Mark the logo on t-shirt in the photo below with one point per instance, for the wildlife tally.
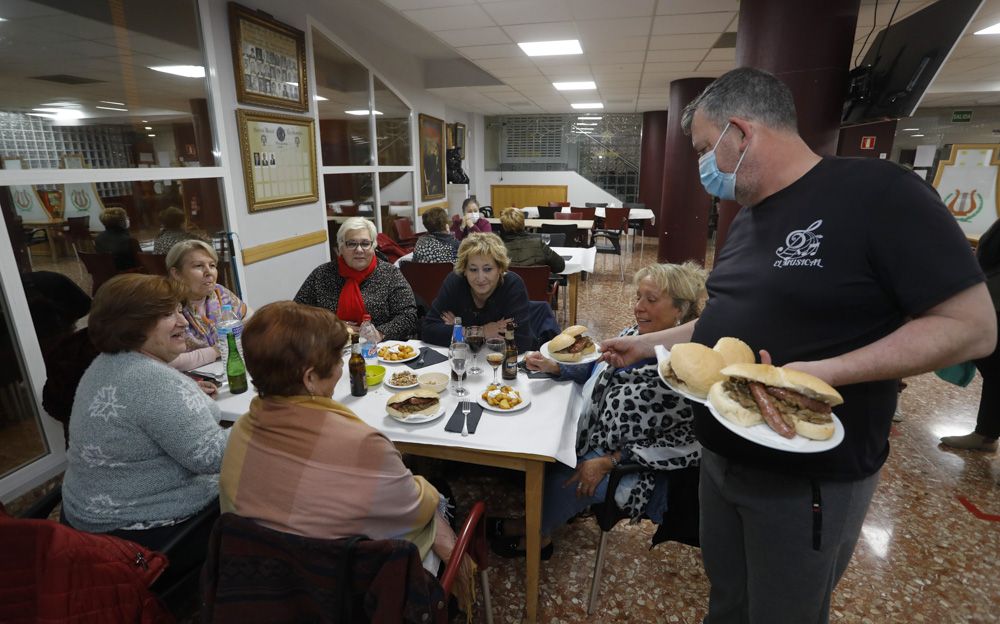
(800, 248)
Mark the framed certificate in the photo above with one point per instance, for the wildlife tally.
(269, 60)
(279, 159)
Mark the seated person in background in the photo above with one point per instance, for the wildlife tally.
(172, 232)
(115, 239)
(358, 283)
(628, 415)
(482, 292)
(470, 222)
(438, 245)
(193, 264)
(145, 445)
(302, 463)
(526, 249)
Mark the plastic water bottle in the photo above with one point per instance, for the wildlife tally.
(457, 333)
(369, 340)
(229, 323)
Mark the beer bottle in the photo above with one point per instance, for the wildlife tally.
(356, 368)
(509, 370)
(236, 371)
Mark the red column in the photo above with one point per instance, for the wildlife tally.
(654, 137)
(683, 218)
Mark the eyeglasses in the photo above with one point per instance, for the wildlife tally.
(354, 244)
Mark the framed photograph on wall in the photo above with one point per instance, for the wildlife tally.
(269, 60)
(458, 138)
(432, 161)
(278, 153)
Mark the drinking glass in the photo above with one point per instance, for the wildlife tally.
(546, 239)
(475, 337)
(459, 352)
(494, 358)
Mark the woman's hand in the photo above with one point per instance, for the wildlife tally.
(208, 387)
(467, 221)
(589, 475)
(448, 317)
(537, 362)
(496, 329)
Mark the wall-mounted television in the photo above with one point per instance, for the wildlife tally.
(903, 61)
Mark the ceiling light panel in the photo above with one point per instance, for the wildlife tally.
(584, 85)
(587, 105)
(551, 48)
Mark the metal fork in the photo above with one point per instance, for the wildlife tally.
(420, 360)
(466, 408)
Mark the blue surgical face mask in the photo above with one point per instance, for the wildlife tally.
(718, 183)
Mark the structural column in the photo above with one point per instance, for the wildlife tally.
(807, 44)
(683, 217)
(654, 137)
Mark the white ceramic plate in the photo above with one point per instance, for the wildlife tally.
(389, 343)
(525, 402)
(417, 419)
(590, 357)
(387, 382)
(662, 355)
(765, 436)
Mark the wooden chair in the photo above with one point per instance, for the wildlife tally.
(425, 278)
(547, 212)
(154, 264)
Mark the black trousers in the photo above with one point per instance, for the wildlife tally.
(988, 421)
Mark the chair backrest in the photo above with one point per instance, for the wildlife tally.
(348, 210)
(404, 228)
(79, 228)
(425, 278)
(154, 264)
(588, 213)
(569, 216)
(487, 211)
(556, 239)
(101, 267)
(389, 247)
(547, 212)
(616, 218)
(564, 204)
(593, 205)
(568, 232)
(536, 280)
(555, 204)
(635, 205)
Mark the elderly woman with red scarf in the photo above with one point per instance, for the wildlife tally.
(358, 283)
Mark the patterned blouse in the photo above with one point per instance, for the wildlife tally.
(436, 247)
(201, 327)
(387, 295)
(169, 238)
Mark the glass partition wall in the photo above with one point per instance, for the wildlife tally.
(365, 139)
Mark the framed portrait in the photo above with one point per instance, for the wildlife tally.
(278, 153)
(432, 157)
(269, 60)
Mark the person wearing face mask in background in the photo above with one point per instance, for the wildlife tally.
(850, 269)
(116, 240)
(470, 222)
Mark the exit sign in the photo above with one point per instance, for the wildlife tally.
(962, 116)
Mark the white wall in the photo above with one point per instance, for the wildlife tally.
(579, 189)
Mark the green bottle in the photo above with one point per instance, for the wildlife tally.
(236, 371)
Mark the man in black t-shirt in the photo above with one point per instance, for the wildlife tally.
(822, 268)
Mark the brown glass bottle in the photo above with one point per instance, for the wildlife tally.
(356, 369)
(509, 370)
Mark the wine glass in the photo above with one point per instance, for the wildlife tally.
(495, 357)
(459, 352)
(475, 337)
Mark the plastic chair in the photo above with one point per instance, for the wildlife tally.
(569, 216)
(407, 238)
(680, 522)
(389, 248)
(425, 278)
(593, 205)
(637, 225)
(101, 267)
(547, 212)
(564, 204)
(608, 240)
(536, 280)
(154, 264)
(568, 233)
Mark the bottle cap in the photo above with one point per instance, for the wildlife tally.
(458, 320)
(366, 317)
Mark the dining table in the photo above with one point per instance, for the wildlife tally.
(634, 214)
(53, 230)
(527, 439)
(581, 224)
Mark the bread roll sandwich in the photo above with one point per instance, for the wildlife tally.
(790, 402)
(571, 345)
(734, 351)
(693, 368)
(407, 404)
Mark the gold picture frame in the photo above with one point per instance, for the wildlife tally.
(269, 60)
(278, 153)
(432, 157)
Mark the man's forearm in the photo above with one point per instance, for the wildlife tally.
(669, 337)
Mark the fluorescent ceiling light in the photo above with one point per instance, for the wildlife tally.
(320, 98)
(187, 71)
(114, 103)
(151, 135)
(989, 30)
(910, 129)
(586, 105)
(62, 104)
(361, 112)
(916, 135)
(148, 128)
(590, 118)
(551, 48)
(3, 19)
(574, 86)
(586, 124)
(59, 114)
(124, 110)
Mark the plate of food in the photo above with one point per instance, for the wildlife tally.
(402, 380)
(500, 398)
(394, 352)
(572, 346)
(779, 408)
(690, 369)
(414, 406)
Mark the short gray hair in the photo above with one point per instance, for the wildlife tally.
(175, 257)
(748, 93)
(355, 223)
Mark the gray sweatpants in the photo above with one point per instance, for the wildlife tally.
(770, 556)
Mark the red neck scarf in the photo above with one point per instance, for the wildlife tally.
(351, 307)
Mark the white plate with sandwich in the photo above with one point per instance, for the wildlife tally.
(572, 346)
(690, 369)
(414, 407)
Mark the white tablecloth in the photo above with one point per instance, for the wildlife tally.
(635, 214)
(580, 259)
(547, 427)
